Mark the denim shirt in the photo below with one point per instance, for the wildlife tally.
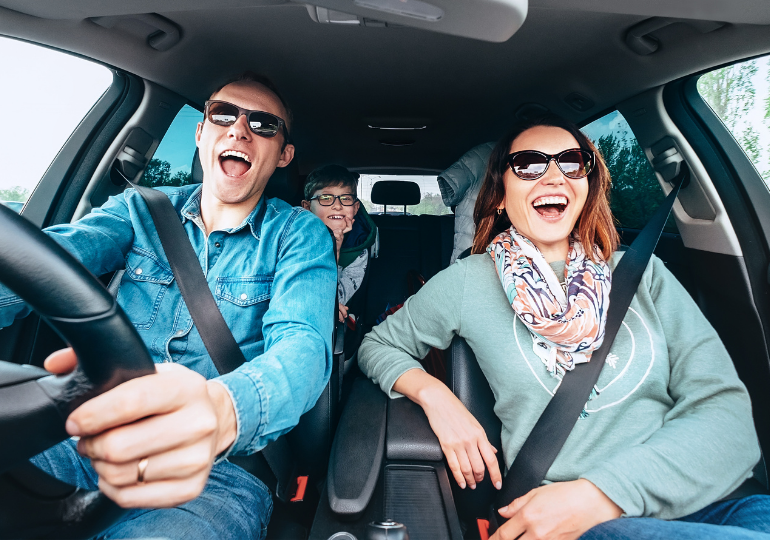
(274, 280)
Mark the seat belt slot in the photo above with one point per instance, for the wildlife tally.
(483, 526)
(299, 494)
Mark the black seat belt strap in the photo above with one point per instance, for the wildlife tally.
(215, 333)
(213, 329)
(560, 415)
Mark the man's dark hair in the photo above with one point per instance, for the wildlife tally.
(330, 175)
(264, 80)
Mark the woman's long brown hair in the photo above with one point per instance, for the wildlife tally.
(595, 225)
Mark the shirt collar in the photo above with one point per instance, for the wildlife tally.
(192, 211)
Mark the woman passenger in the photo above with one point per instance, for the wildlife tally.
(668, 429)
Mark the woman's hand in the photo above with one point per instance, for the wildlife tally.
(175, 419)
(558, 511)
(462, 438)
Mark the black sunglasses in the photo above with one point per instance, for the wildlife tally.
(531, 164)
(261, 123)
(328, 200)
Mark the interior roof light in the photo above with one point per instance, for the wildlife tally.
(415, 9)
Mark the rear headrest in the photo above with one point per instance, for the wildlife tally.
(284, 184)
(395, 193)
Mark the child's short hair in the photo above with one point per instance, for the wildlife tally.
(330, 175)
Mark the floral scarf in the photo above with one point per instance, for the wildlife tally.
(566, 325)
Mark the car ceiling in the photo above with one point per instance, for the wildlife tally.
(339, 79)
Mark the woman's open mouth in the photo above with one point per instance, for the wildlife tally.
(234, 163)
(550, 207)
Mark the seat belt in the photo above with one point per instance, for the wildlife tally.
(560, 415)
(216, 335)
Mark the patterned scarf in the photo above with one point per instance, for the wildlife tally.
(566, 326)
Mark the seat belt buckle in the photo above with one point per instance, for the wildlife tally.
(483, 525)
(299, 492)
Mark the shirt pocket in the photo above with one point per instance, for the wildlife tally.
(243, 302)
(143, 287)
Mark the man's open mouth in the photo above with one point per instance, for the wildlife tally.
(234, 163)
(550, 206)
(336, 217)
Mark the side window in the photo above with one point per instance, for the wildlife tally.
(739, 96)
(430, 195)
(172, 162)
(46, 90)
(636, 193)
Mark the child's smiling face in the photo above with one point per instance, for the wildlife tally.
(336, 216)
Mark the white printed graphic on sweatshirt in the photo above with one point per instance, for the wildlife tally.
(625, 369)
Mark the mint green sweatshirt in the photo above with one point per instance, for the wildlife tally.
(671, 430)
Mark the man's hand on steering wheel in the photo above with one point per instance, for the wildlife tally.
(152, 439)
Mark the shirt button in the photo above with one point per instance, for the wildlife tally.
(138, 271)
(217, 244)
(179, 333)
(244, 296)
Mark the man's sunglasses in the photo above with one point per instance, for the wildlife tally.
(531, 164)
(328, 200)
(262, 123)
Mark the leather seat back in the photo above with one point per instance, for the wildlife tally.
(468, 383)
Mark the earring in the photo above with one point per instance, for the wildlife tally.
(499, 211)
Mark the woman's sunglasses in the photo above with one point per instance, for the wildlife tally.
(262, 123)
(531, 164)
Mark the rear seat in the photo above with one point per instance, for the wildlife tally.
(420, 243)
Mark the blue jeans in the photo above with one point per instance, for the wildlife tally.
(234, 504)
(738, 519)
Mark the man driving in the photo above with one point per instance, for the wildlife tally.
(156, 444)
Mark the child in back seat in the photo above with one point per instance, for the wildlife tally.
(330, 193)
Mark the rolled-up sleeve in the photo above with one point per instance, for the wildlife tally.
(273, 389)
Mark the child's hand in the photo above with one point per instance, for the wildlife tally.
(346, 225)
(343, 312)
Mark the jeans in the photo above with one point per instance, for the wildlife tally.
(234, 504)
(738, 519)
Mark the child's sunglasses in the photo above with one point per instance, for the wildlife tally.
(531, 164)
(261, 123)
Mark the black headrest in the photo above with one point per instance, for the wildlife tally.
(395, 193)
(284, 184)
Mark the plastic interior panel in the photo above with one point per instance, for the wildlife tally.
(357, 450)
(413, 497)
(648, 118)
(418, 495)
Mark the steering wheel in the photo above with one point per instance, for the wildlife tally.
(34, 404)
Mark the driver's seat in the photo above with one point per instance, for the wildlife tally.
(296, 466)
